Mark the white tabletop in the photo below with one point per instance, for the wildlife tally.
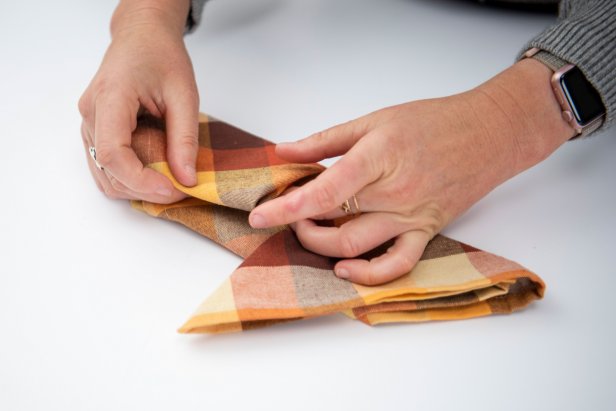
(92, 292)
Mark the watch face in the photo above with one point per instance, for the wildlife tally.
(582, 96)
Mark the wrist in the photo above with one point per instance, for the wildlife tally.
(526, 112)
(137, 15)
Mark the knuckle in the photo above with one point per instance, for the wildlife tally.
(432, 219)
(115, 183)
(371, 277)
(188, 142)
(403, 264)
(304, 241)
(104, 155)
(84, 105)
(348, 246)
(320, 136)
(325, 196)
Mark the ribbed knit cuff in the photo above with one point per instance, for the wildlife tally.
(194, 16)
(585, 35)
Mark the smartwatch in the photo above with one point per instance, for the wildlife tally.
(580, 102)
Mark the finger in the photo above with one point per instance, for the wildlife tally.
(396, 262)
(86, 139)
(336, 184)
(100, 178)
(356, 205)
(182, 118)
(113, 125)
(328, 143)
(351, 239)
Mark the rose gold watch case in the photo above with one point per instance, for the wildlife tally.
(559, 93)
(567, 109)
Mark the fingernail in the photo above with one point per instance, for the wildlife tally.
(163, 191)
(342, 273)
(257, 221)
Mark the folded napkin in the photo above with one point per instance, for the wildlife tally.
(279, 280)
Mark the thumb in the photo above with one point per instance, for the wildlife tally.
(329, 143)
(182, 119)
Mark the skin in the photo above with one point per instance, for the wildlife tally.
(413, 167)
(145, 68)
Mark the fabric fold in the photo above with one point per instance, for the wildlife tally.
(281, 281)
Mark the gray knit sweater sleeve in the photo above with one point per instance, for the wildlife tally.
(585, 35)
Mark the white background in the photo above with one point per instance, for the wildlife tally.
(91, 292)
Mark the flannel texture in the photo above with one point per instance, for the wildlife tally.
(279, 280)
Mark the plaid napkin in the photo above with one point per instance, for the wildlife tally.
(279, 280)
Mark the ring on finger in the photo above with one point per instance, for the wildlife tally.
(351, 207)
(92, 151)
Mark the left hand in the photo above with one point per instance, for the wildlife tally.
(414, 168)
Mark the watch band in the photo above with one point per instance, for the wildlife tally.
(555, 63)
(549, 60)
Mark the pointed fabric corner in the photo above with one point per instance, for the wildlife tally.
(281, 281)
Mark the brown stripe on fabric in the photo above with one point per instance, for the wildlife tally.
(298, 255)
(224, 136)
(204, 134)
(521, 293)
(149, 140)
(270, 254)
(385, 307)
(441, 302)
(450, 301)
(197, 218)
(242, 158)
(230, 224)
(253, 325)
(468, 248)
(441, 246)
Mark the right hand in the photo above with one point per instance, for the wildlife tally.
(146, 68)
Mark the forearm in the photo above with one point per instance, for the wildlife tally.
(169, 14)
(520, 109)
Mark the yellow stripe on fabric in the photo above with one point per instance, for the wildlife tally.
(156, 210)
(495, 291)
(429, 279)
(203, 324)
(479, 309)
(205, 189)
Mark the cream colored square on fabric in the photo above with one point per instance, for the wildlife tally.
(221, 301)
(453, 272)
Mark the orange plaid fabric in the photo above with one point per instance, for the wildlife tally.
(279, 280)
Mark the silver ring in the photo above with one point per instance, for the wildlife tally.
(93, 155)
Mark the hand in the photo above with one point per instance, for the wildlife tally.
(146, 68)
(414, 168)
